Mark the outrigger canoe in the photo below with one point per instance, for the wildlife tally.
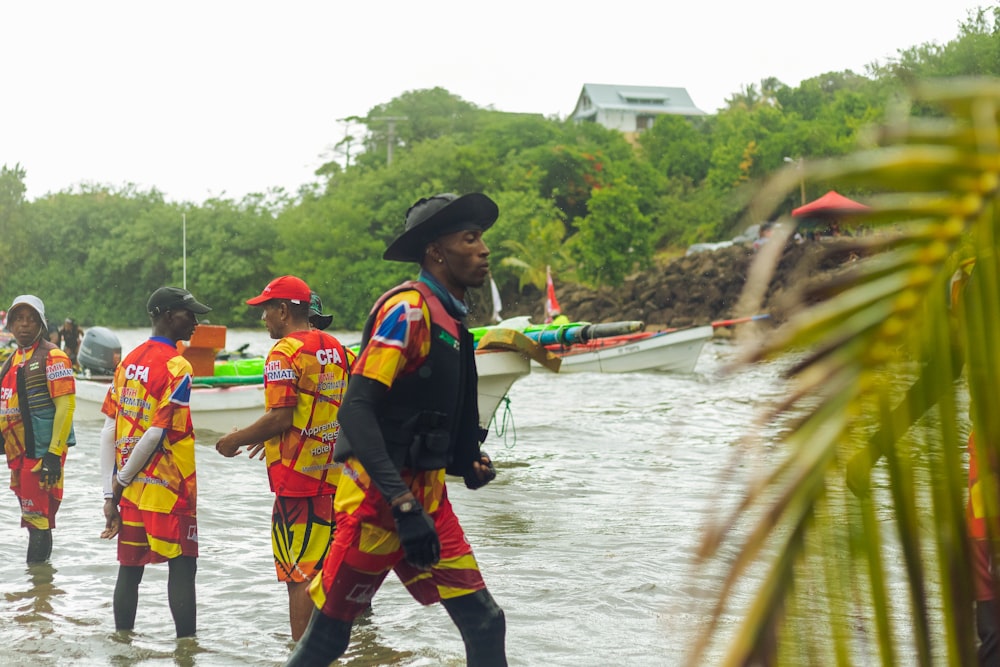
(620, 347)
(671, 351)
(616, 347)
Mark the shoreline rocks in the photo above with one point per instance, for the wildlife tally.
(692, 290)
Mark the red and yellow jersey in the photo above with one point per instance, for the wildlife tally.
(60, 381)
(306, 370)
(400, 341)
(979, 524)
(152, 388)
(975, 508)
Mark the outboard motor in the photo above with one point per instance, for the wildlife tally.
(100, 352)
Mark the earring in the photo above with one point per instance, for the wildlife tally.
(440, 260)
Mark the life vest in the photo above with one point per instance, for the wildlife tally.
(430, 418)
(38, 411)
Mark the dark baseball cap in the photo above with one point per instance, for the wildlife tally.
(174, 298)
(316, 316)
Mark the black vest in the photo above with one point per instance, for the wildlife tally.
(430, 418)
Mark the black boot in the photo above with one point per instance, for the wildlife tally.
(483, 627)
(989, 633)
(39, 545)
(324, 640)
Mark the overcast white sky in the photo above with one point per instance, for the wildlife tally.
(222, 98)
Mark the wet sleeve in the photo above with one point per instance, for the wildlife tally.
(359, 425)
(107, 455)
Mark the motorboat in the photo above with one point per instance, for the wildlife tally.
(669, 350)
(233, 396)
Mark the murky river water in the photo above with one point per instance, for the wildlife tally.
(585, 538)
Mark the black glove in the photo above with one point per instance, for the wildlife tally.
(417, 534)
(473, 480)
(51, 469)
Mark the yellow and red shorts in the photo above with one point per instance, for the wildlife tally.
(301, 529)
(38, 506)
(366, 547)
(155, 537)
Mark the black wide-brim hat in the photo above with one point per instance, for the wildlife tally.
(433, 217)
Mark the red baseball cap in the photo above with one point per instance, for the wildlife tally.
(286, 287)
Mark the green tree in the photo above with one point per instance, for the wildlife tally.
(229, 256)
(976, 52)
(569, 175)
(542, 247)
(678, 147)
(528, 235)
(335, 244)
(96, 252)
(413, 117)
(614, 238)
(13, 231)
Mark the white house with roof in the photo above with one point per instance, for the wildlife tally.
(631, 108)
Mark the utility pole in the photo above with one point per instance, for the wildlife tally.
(390, 132)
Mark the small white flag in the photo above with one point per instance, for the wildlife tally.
(496, 299)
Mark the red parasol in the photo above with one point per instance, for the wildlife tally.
(832, 204)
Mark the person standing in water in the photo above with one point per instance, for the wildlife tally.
(37, 400)
(70, 336)
(305, 375)
(148, 463)
(410, 416)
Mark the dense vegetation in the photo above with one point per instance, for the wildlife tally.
(575, 196)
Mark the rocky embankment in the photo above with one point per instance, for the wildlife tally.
(691, 290)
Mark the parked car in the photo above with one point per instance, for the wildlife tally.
(749, 235)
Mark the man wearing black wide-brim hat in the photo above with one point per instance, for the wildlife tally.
(410, 416)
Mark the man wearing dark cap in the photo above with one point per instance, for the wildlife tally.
(148, 462)
(316, 316)
(410, 416)
(305, 375)
(37, 400)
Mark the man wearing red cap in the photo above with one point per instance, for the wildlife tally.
(305, 376)
(37, 399)
(410, 416)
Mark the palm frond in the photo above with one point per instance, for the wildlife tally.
(891, 572)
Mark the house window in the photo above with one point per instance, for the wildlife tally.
(643, 122)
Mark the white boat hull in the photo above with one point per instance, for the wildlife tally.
(672, 352)
(498, 370)
(220, 409)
